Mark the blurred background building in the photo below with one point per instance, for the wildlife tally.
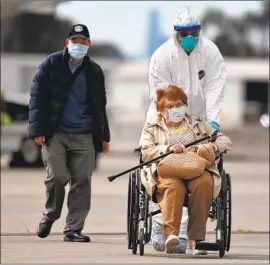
(124, 36)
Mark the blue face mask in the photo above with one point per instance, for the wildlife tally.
(77, 51)
(188, 43)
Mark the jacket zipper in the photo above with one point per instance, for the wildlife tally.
(190, 87)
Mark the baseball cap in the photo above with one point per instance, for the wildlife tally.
(79, 30)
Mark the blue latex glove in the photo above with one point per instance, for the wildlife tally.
(214, 125)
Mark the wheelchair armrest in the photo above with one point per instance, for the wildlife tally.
(139, 153)
(220, 154)
(137, 150)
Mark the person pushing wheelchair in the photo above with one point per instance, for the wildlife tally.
(189, 171)
(191, 61)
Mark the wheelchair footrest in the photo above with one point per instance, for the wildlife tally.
(207, 246)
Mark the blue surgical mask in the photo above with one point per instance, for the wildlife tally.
(188, 43)
(177, 114)
(77, 51)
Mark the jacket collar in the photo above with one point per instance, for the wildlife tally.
(65, 54)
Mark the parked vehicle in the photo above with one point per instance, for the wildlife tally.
(264, 120)
(14, 136)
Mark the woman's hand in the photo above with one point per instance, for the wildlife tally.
(177, 148)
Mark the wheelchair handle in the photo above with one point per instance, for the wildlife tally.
(211, 138)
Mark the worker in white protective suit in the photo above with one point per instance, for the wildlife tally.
(194, 63)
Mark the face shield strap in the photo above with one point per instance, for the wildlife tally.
(187, 28)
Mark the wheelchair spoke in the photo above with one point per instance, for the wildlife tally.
(138, 190)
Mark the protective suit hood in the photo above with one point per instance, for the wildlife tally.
(202, 75)
(186, 19)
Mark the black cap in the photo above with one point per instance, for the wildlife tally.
(79, 30)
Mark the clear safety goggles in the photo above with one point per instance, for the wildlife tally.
(193, 33)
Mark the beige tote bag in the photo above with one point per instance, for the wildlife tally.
(187, 165)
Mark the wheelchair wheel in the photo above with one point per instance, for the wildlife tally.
(133, 211)
(145, 215)
(149, 228)
(228, 212)
(220, 233)
(221, 249)
(141, 238)
(130, 204)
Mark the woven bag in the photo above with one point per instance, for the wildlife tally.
(184, 165)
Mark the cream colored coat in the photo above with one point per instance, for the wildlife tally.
(154, 142)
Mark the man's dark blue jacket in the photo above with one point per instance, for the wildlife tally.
(50, 91)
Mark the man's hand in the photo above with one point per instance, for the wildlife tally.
(106, 147)
(40, 140)
(177, 148)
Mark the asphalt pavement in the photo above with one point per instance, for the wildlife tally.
(246, 248)
(22, 203)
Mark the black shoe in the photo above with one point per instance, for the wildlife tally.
(44, 228)
(76, 237)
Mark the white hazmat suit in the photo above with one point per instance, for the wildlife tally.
(202, 75)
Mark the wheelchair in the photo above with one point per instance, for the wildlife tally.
(139, 217)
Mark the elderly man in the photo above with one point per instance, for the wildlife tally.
(193, 62)
(67, 117)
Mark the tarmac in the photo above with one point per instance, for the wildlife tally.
(246, 248)
(22, 203)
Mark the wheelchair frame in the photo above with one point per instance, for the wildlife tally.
(138, 211)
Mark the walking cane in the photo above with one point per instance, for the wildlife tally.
(211, 138)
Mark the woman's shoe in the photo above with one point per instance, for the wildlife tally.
(192, 251)
(181, 248)
(158, 246)
(199, 252)
(157, 237)
(171, 244)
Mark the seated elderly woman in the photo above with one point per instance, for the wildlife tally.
(170, 131)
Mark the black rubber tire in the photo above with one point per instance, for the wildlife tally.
(131, 224)
(134, 248)
(136, 210)
(229, 213)
(221, 249)
(220, 227)
(141, 238)
(129, 213)
(224, 211)
(18, 160)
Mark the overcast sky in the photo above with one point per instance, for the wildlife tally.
(125, 23)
